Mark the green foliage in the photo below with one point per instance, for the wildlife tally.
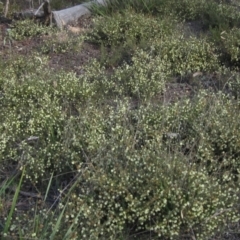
(37, 103)
(185, 9)
(1, 7)
(128, 26)
(26, 28)
(142, 79)
(62, 4)
(157, 37)
(115, 55)
(228, 41)
(208, 129)
(8, 222)
(59, 4)
(220, 15)
(139, 166)
(227, 45)
(121, 33)
(234, 85)
(113, 6)
(61, 42)
(195, 54)
(211, 13)
(128, 178)
(143, 188)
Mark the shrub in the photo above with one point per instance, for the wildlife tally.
(186, 9)
(128, 26)
(234, 85)
(186, 56)
(121, 165)
(129, 181)
(207, 127)
(26, 28)
(61, 42)
(145, 72)
(210, 13)
(143, 79)
(229, 46)
(157, 36)
(219, 15)
(145, 189)
(47, 106)
(36, 108)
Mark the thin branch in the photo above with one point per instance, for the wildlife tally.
(39, 9)
(6, 8)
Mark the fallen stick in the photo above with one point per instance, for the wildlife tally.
(6, 8)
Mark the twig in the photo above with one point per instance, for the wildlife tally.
(6, 8)
(26, 194)
(39, 9)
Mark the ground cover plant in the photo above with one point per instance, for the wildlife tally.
(123, 126)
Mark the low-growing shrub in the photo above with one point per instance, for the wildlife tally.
(128, 26)
(120, 162)
(228, 45)
(61, 42)
(145, 71)
(219, 15)
(146, 191)
(210, 13)
(186, 9)
(42, 109)
(208, 130)
(27, 28)
(184, 56)
(38, 103)
(234, 85)
(36, 107)
(129, 181)
(142, 79)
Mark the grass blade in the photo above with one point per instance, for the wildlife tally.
(57, 224)
(48, 187)
(9, 218)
